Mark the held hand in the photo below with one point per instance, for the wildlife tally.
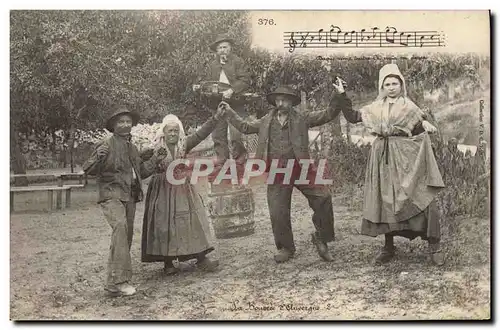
(227, 94)
(428, 127)
(221, 110)
(102, 151)
(224, 105)
(220, 113)
(161, 152)
(339, 86)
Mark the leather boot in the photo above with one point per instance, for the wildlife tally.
(387, 252)
(385, 255)
(208, 265)
(169, 268)
(322, 248)
(283, 255)
(437, 256)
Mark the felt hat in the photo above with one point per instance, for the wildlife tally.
(283, 90)
(110, 122)
(221, 38)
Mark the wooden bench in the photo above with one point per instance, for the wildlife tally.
(60, 181)
(81, 176)
(50, 190)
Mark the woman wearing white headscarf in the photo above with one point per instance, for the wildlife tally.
(402, 177)
(175, 224)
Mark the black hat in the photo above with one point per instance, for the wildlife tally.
(283, 90)
(110, 123)
(221, 38)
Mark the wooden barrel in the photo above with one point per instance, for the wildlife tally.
(231, 209)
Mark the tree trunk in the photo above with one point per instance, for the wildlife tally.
(303, 101)
(71, 139)
(17, 161)
(348, 132)
(71, 144)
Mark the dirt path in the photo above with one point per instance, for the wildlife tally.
(58, 267)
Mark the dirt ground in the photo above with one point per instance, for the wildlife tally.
(58, 264)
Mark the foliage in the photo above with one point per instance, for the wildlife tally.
(465, 193)
(64, 60)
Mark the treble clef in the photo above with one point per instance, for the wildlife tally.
(292, 43)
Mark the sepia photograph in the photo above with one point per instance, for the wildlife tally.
(286, 165)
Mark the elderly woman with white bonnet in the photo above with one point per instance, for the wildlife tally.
(175, 224)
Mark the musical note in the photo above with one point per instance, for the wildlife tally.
(422, 41)
(403, 35)
(362, 36)
(365, 38)
(319, 34)
(350, 37)
(393, 34)
(375, 35)
(431, 40)
(336, 40)
(439, 40)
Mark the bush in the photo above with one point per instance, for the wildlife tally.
(464, 175)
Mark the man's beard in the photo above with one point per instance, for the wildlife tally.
(123, 130)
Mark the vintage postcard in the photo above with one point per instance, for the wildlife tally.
(250, 165)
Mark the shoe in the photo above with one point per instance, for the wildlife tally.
(438, 258)
(322, 248)
(122, 289)
(385, 255)
(170, 270)
(208, 265)
(282, 256)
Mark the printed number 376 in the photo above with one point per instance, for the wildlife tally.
(266, 21)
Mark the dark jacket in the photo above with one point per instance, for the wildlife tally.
(298, 124)
(236, 72)
(114, 171)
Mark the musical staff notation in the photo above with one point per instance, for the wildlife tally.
(374, 37)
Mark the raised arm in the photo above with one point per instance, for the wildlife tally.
(245, 126)
(201, 134)
(321, 117)
(97, 158)
(148, 167)
(351, 115)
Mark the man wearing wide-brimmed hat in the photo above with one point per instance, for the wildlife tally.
(229, 69)
(283, 136)
(118, 167)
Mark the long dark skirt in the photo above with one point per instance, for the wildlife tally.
(175, 224)
(424, 225)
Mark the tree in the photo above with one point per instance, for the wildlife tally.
(69, 66)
